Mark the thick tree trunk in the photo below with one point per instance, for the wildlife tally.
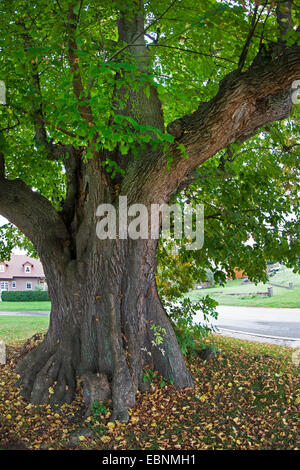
(101, 317)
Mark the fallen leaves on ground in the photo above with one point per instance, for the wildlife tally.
(246, 397)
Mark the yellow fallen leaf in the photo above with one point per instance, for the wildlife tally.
(111, 425)
(81, 438)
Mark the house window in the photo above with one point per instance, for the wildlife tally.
(28, 285)
(2, 268)
(13, 284)
(27, 269)
(4, 285)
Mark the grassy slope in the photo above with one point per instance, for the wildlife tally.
(23, 306)
(281, 298)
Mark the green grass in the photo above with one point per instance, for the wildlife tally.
(281, 298)
(14, 329)
(23, 306)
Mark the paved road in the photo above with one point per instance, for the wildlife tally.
(277, 322)
(281, 322)
(27, 313)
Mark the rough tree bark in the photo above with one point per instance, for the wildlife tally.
(103, 293)
(102, 311)
(104, 301)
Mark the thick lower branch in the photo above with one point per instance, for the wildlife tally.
(33, 215)
(246, 101)
(2, 167)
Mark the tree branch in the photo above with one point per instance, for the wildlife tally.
(191, 51)
(8, 128)
(37, 109)
(83, 108)
(246, 101)
(244, 53)
(33, 215)
(53, 150)
(284, 16)
(44, 121)
(2, 167)
(139, 34)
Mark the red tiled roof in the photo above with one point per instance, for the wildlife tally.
(15, 267)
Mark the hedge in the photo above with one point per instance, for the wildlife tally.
(24, 296)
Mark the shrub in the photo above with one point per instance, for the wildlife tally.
(24, 296)
(190, 334)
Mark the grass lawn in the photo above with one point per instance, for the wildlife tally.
(20, 328)
(23, 306)
(281, 298)
(245, 397)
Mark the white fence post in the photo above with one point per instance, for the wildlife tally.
(2, 353)
(270, 291)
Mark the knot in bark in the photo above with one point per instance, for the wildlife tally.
(175, 129)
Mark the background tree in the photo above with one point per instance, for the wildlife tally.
(91, 88)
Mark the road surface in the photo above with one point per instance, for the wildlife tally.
(27, 313)
(279, 323)
(268, 322)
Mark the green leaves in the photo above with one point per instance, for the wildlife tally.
(76, 8)
(11, 238)
(188, 332)
(113, 168)
(182, 149)
(250, 191)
